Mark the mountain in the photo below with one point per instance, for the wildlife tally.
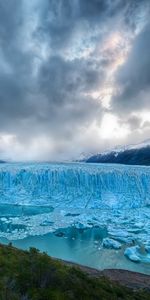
(136, 154)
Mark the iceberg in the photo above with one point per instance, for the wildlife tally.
(133, 253)
(111, 244)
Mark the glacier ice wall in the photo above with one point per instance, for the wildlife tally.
(75, 185)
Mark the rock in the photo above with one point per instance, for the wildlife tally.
(132, 253)
(111, 244)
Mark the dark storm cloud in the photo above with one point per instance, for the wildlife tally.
(65, 85)
(59, 82)
(16, 67)
(10, 20)
(133, 77)
(51, 93)
(61, 20)
(134, 122)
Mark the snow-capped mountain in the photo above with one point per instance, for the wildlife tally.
(134, 154)
(131, 146)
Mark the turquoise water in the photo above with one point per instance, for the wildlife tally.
(82, 247)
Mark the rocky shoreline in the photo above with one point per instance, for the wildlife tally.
(133, 280)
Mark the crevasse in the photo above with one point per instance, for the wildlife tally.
(75, 185)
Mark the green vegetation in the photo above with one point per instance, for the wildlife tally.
(28, 275)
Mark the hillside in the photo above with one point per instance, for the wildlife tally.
(129, 156)
(31, 275)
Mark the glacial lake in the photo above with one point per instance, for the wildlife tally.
(92, 214)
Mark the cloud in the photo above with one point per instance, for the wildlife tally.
(58, 62)
(134, 122)
(133, 78)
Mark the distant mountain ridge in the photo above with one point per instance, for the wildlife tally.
(136, 154)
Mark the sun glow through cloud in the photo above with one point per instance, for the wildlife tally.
(110, 127)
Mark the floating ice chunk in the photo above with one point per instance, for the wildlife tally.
(3, 219)
(80, 226)
(135, 230)
(126, 240)
(96, 242)
(132, 253)
(139, 225)
(111, 244)
(47, 223)
(121, 235)
(119, 232)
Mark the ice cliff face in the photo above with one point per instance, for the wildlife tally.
(75, 185)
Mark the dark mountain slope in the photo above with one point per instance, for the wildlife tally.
(139, 156)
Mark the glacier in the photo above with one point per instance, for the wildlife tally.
(40, 198)
(75, 185)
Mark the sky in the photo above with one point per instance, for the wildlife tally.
(74, 77)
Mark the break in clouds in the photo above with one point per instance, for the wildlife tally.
(74, 76)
